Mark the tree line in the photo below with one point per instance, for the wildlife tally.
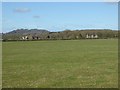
(62, 35)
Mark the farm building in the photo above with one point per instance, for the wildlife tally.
(91, 36)
(29, 37)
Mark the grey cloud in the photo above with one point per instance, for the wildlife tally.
(22, 10)
(111, 2)
(36, 16)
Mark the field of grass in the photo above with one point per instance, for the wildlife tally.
(0, 64)
(60, 64)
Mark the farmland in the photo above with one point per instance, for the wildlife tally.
(60, 63)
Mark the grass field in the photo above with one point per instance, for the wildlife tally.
(62, 63)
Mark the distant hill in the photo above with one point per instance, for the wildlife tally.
(26, 32)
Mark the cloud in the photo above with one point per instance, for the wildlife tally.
(22, 10)
(36, 16)
(111, 1)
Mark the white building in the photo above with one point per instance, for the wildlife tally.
(96, 36)
(91, 36)
(25, 37)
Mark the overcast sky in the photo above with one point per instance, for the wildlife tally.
(59, 16)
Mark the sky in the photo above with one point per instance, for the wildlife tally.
(59, 16)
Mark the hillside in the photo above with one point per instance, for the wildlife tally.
(26, 31)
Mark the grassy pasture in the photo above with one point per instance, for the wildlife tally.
(62, 63)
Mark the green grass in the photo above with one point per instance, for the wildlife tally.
(60, 64)
(0, 64)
